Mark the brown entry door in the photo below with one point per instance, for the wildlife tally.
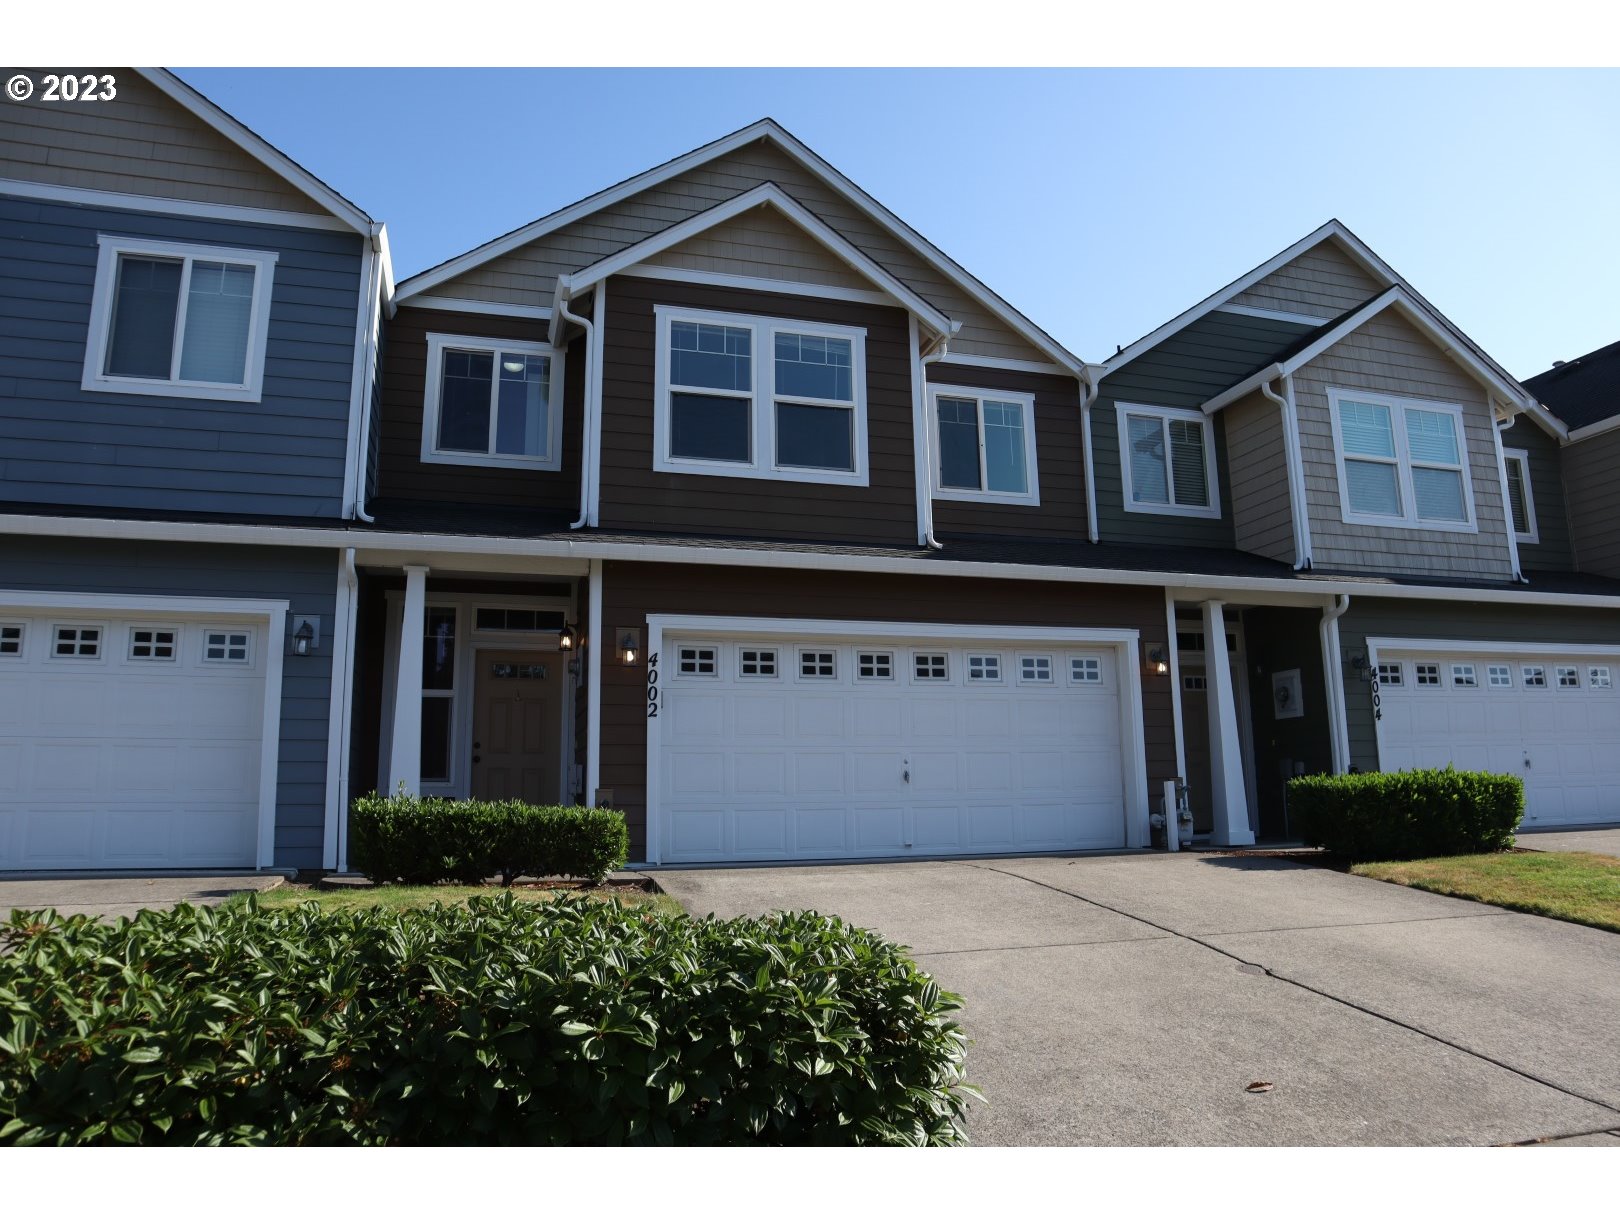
(517, 724)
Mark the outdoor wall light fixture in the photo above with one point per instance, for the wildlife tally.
(567, 639)
(1157, 663)
(303, 638)
(629, 646)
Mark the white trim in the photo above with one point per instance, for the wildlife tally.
(764, 130)
(921, 475)
(1408, 519)
(1173, 655)
(1273, 314)
(1522, 456)
(1593, 429)
(354, 462)
(1124, 642)
(445, 303)
(762, 398)
(597, 357)
(594, 643)
(1165, 414)
(437, 345)
(78, 196)
(273, 612)
(771, 195)
(995, 364)
(340, 713)
(746, 282)
(261, 150)
(96, 379)
(1534, 649)
(1026, 402)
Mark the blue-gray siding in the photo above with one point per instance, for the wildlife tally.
(1552, 550)
(305, 578)
(60, 445)
(1456, 620)
(1183, 371)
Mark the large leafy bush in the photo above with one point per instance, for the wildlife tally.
(493, 1022)
(1392, 816)
(428, 839)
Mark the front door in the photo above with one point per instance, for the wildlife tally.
(517, 727)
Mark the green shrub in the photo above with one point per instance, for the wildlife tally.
(1379, 816)
(497, 1021)
(428, 839)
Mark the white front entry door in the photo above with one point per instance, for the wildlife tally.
(1552, 719)
(130, 743)
(778, 749)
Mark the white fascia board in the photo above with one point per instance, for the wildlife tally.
(766, 195)
(79, 196)
(271, 157)
(449, 303)
(1593, 429)
(404, 545)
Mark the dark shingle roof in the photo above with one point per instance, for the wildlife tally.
(1583, 390)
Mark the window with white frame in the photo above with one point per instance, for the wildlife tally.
(1194, 683)
(818, 664)
(756, 664)
(697, 660)
(178, 320)
(1499, 675)
(874, 664)
(984, 445)
(1568, 677)
(1034, 668)
(1598, 677)
(11, 640)
(752, 396)
(1167, 461)
(1389, 674)
(1085, 668)
(439, 681)
(929, 667)
(1463, 675)
(1428, 674)
(152, 645)
(984, 668)
(77, 641)
(1402, 463)
(492, 402)
(1534, 677)
(1521, 500)
(228, 645)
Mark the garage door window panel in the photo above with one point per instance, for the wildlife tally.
(1463, 675)
(1569, 677)
(931, 668)
(1534, 676)
(1034, 668)
(11, 640)
(227, 646)
(76, 641)
(1499, 676)
(1428, 674)
(153, 645)
(818, 664)
(874, 664)
(984, 668)
(1599, 678)
(1389, 674)
(757, 664)
(697, 661)
(1085, 669)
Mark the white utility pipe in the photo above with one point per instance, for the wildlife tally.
(585, 463)
(1088, 395)
(941, 348)
(593, 687)
(1333, 670)
(1296, 489)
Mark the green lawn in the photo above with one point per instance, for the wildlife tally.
(1582, 887)
(407, 898)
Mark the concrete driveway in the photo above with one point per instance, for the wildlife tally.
(115, 896)
(1132, 1000)
(1584, 839)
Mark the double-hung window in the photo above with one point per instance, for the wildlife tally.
(178, 320)
(1521, 502)
(492, 402)
(766, 397)
(1402, 463)
(984, 445)
(1167, 461)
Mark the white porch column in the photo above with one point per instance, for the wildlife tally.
(1231, 801)
(405, 756)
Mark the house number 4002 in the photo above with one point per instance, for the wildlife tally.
(652, 685)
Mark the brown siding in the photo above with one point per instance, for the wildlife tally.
(633, 591)
(636, 498)
(1059, 455)
(1593, 488)
(401, 473)
(138, 143)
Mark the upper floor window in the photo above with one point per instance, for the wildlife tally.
(178, 320)
(749, 396)
(1521, 503)
(984, 445)
(1167, 461)
(492, 402)
(1401, 463)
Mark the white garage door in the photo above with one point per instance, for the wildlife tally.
(1552, 719)
(788, 750)
(129, 743)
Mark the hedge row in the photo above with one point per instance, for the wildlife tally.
(429, 839)
(1392, 816)
(497, 1021)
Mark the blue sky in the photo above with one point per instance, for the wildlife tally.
(1099, 202)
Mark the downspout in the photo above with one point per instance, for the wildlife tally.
(1333, 669)
(1090, 385)
(940, 348)
(585, 466)
(593, 684)
(1507, 507)
(351, 582)
(1296, 483)
(379, 247)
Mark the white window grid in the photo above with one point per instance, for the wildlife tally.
(439, 344)
(1164, 416)
(929, 667)
(1568, 677)
(1428, 674)
(979, 396)
(1403, 462)
(1194, 683)
(1463, 675)
(1534, 676)
(984, 668)
(1034, 668)
(147, 644)
(1598, 677)
(76, 642)
(756, 663)
(818, 664)
(1499, 675)
(697, 661)
(231, 647)
(1517, 460)
(12, 636)
(1390, 674)
(1085, 668)
(874, 664)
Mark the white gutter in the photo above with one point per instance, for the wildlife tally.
(922, 443)
(561, 310)
(1296, 474)
(1090, 386)
(1507, 506)
(1333, 669)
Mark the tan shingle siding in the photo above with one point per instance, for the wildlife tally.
(765, 244)
(1322, 281)
(1262, 522)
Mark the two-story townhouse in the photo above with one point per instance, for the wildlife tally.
(187, 338)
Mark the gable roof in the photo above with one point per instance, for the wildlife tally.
(1583, 391)
(770, 130)
(271, 157)
(767, 195)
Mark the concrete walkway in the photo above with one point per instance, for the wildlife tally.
(116, 896)
(1586, 839)
(1132, 1000)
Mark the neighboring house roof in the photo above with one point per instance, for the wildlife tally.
(271, 157)
(1582, 391)
(770, 130)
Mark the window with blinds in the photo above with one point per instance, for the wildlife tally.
(1168, 461)
(1521, 503)
(1401, 463)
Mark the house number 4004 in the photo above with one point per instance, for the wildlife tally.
(652, 685)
